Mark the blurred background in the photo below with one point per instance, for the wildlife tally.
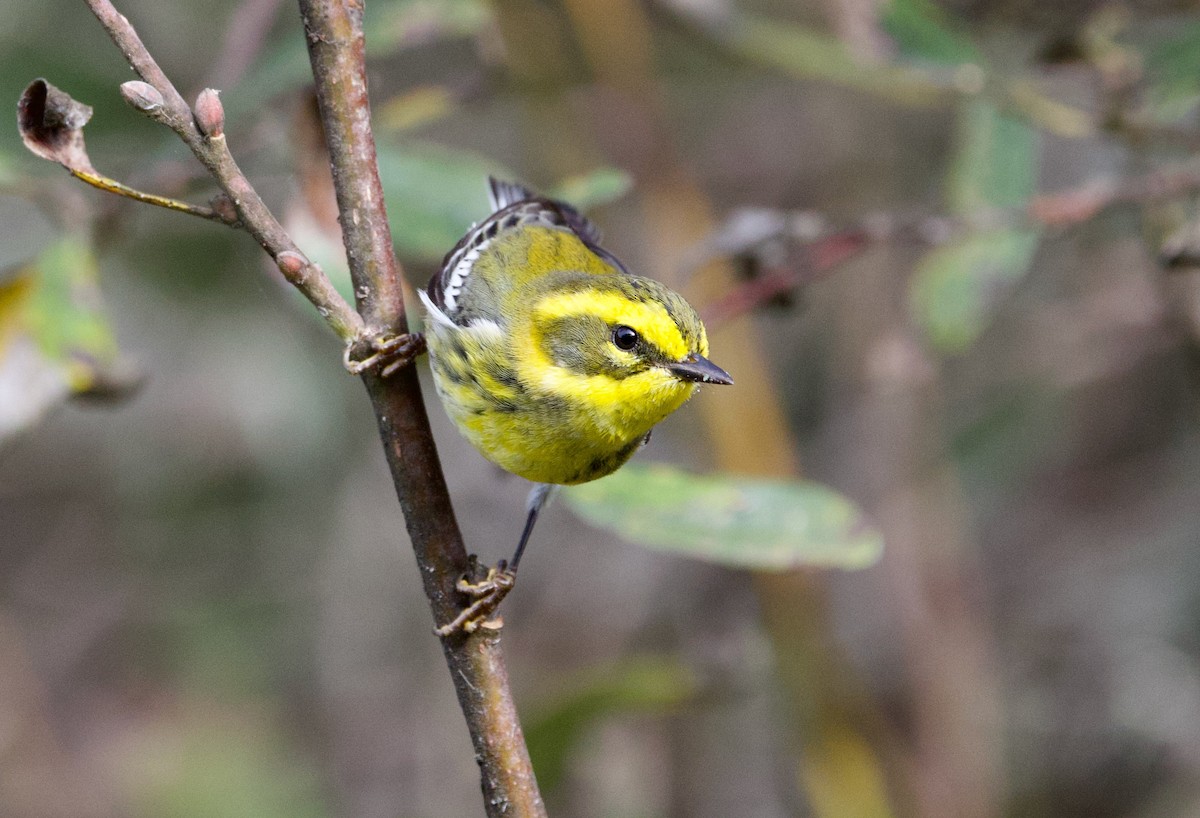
(947, 250)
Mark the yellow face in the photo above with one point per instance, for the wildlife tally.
(626, 352)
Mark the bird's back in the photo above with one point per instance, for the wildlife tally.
(490, 272)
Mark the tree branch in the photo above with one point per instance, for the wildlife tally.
(336, 46)
(337, 51)
(210, 148)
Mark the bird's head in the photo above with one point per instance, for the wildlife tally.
(627, 346)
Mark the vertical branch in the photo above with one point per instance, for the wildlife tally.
(337, 51)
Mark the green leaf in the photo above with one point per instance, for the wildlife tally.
(434, 195)
(1173, 74)
(642, 685)
(8, 170)
(924, 32)
(995, 161)
(401, 25)
(594, 188)
(64, 314)
(956, 287)
(812, 55)
(55, 340)
(390, 29)
(201, 758)
(415, 108)
(738, 521)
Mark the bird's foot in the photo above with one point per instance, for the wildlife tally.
(485, 594)
(386, 352)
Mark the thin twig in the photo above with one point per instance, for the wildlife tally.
(337, 51)
(808, 54)
(751, 232)
(102, 182)
(214, 154)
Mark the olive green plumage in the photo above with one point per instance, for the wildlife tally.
(548, 356)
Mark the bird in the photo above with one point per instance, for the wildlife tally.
(551, 358)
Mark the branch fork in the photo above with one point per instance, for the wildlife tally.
(52, 123)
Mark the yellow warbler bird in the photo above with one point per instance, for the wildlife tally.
(549, 356)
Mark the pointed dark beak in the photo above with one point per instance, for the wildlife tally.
(699, 369)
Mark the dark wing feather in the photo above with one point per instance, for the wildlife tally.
(502, 193)
(505, 194)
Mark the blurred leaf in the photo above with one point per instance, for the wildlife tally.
(956, 287)
(738, 521)
(923, 31)
(645, 685)
(233, 642)
(842, 776)
(65, 311)
(416, 107)
(54, 336)
(284, 68)
(206, 759)
(8, 170)
(809, 54)
(434, 194)
(1173, 73)
(995, 161)
(594, 188)
(1021, 425)
(401, 25)
(1027, 102)
(390, 28)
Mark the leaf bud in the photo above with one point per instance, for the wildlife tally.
(291, 262)
(210, 114)
(142, 95)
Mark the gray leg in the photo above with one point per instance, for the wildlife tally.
(539, 496)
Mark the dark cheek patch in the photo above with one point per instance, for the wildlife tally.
(581, 344)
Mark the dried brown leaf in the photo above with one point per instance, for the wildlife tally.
(51, 125)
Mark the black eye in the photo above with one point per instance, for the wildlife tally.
(625, 337)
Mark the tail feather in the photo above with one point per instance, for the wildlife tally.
(503, 194)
